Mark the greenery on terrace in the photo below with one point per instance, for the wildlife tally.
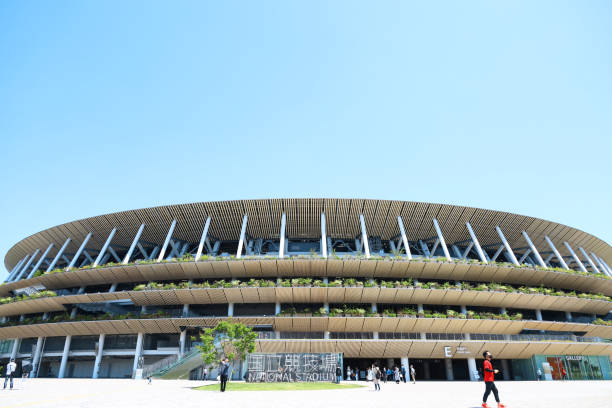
(333, 256)
(349, 311)
(65, 317)
(37, 295)
(344, 311)
(352, 282)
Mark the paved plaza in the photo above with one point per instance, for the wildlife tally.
(81, 393)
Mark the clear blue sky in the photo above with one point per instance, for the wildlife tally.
(114, 105)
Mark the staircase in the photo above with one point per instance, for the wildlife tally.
(177, 369)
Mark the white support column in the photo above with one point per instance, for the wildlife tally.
(374, 308)
(557, 254)
(473, 371)
(405, 363)
(448, 363)
(113, 287)
(62, 369)
(538, 314)
(78, 252)
(185, 310)
(326, 335)
(281, 249)
(230, 309)
(105, 247)
(277, 308)
(182, 343)
(37, 356)
(442, 242)
(134, 242)
(602, 268)
(165, 246)
(571, 251)
(607, 267)
(525, 255)
(506, 245)
(40, 261)
(27, 265)
(242, 234)
(16, 268)
(400, 223)
(589, 260)
(58, 256)
(137, 355)
(203, 239)
(323, 237)
(467, 250)
(364, 236)
(568, 316)
(464, 310)
(499, 251)
(534, 250)
(96, 370)
(15, 350)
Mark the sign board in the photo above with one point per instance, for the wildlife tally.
(448, 351)
(292, 367)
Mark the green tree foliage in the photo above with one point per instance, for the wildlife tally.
(227, 339)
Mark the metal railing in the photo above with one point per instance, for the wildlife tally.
(436, 336)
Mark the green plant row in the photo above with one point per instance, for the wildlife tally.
(333, 255)
(345, 311)
(348, 311)
(602, 322)
(352, 282)
(65, 317)
(37, 295)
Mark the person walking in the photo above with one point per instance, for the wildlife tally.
(377, 374)
(205, 373)
(370, 375)
(413, 374)
(10, 372)
(383, 374)
(224, 373)
(396, 375)
(338, 374)
(404, 374)
(563, 374)
(489, 380)
(349, 372)
(539, 375)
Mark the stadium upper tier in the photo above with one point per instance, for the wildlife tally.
(327, 228)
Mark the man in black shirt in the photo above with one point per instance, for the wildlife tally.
(224, 373)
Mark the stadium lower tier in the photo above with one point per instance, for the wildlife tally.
(435, 356)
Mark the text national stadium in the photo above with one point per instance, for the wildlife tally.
(348, 281)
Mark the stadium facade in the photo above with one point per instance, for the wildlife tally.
(394, 282)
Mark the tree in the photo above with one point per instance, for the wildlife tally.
(229, 339)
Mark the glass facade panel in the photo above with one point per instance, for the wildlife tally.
(576, 367)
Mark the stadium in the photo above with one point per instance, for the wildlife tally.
(398, 283)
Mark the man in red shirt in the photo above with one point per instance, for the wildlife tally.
(489, 380)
